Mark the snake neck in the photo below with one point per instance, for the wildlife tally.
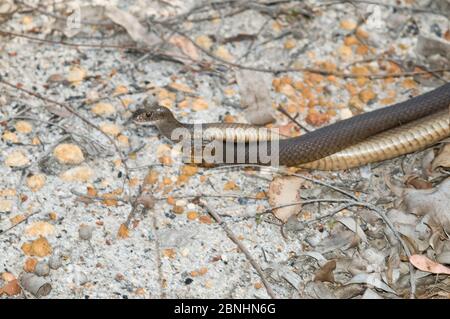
(168, 127)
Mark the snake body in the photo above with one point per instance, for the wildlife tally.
(369, 137)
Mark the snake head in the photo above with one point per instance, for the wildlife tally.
(152, 112)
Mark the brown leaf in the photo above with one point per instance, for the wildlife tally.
(12, 288)
(326, 272)
(123, 231)
(285, 191)
(443, 158)
(418, 182)
(425, 264)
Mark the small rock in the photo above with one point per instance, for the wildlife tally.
(110, 129)
(17, 159)
(68, 154)
(78, 174)
(42, 269)
(181, 203)
(119, 277)
(55, 261)
(10, 137)
(103, 109)
(81, 278)
(40, 228)
(123, 140)
(346, 113)
(85, 232)
(76, 75)
(30, 264)
(36, 182)
(23, 127)
(5, 205)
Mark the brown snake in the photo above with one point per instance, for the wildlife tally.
(370, 137)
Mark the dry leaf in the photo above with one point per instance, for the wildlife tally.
(443, 158)
(123, 231)
(371, 279)
(185, 46)
(418, 182)
(427, 46)
(432, 202)
(284, 191)
(425, 264)
(132, 25)
(351, 224)
(326, 272)
(254, 88)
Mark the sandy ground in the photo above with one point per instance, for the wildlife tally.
(176, 249)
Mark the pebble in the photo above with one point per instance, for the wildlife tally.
(42, 269)
(55, 261)
(103, 109)
(23, 127)
(17, 159)
(110, 129)
(36, 182)
(85, 232)
(67, 153)
(78, 174)
(5, 205)
(181, 203)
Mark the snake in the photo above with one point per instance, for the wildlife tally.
(374, 136)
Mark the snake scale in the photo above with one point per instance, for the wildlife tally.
(365, 138)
